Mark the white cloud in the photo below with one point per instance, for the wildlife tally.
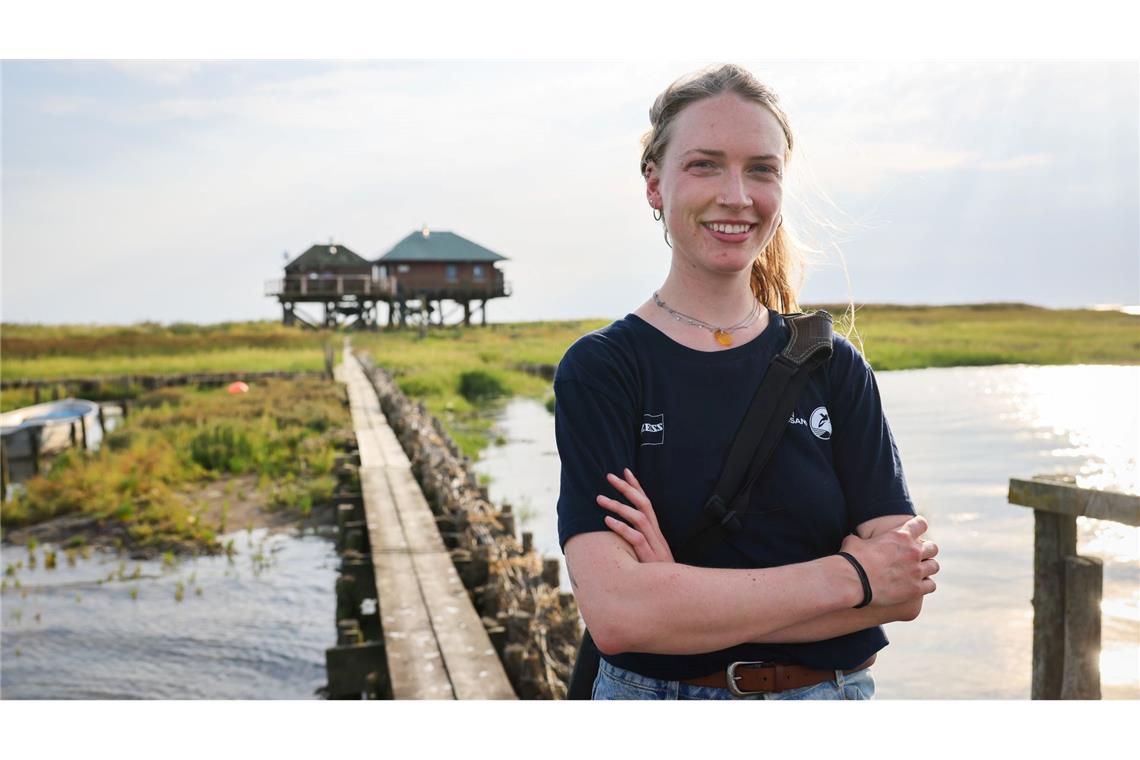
(165, 73)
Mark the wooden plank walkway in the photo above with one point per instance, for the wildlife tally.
(436, 645)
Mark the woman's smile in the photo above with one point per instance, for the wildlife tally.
(729, 232)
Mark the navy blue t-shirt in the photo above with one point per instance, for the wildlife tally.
(629, 396)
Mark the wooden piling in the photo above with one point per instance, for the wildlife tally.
(1055, 537)
(507, 520)
(3, 470)
(34, 441)
(83, 431)
(346, 599)
(527, 541)
(552, 572)
(1084, 583)
(102, 422)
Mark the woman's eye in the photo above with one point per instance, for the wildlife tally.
(701, 165)
(765, 169)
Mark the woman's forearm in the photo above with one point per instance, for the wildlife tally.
(839, 623)
(669, 608)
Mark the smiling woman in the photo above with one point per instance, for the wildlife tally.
(822, 545)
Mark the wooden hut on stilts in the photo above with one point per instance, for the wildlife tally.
(431, 267)
(343, 283)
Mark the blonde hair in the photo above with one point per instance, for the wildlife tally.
(777, 272)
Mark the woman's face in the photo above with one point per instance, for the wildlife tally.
(720, 183)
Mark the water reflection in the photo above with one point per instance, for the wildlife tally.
(963, 433)
(255, 627)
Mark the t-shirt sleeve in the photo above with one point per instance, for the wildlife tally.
(866, 458)
(595, 431)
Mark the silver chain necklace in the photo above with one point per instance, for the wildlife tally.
(722, 335)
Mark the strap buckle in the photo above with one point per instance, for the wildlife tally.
(733, 678)
(721, 514)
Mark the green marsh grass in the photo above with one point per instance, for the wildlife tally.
(284, 430)
(56, 352)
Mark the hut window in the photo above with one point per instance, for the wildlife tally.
(402, 268)
(477, 272)
(451, 273)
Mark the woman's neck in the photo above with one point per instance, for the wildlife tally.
(722, 301)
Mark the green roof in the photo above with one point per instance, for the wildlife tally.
(438, 246)
(332, 256)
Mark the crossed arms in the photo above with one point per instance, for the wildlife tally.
(634, 597)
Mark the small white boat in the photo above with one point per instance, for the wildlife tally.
(51, 425)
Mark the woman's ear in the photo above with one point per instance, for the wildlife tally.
(652, 185)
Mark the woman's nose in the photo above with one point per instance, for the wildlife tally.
(733, 193)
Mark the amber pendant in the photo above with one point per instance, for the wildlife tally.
(723, 338)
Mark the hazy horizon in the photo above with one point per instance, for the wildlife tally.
(171, 191)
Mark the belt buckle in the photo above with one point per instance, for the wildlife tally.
(732, 677)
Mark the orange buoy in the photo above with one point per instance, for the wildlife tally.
(238, 387)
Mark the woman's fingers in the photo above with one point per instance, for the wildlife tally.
(929, 567)
(633, 493)
(916, 526)
(929, 549)
(626, 511)
(632, 480)
(632, 537)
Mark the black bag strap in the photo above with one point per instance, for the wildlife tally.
(809, 346)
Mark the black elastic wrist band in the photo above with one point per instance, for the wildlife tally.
(862, 579)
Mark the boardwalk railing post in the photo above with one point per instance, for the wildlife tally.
(1084, 583)
(1067, 588)
(1055, 537)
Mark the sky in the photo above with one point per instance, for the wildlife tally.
(173, 191)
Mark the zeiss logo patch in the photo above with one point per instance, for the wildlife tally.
(652, 429)
(820, 423)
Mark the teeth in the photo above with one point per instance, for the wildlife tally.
(729, 229)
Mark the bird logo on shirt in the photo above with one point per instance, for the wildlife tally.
(820, 423)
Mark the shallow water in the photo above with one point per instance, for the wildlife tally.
(963, 433)
(257, 629)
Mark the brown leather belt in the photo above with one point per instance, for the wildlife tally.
(752, 677)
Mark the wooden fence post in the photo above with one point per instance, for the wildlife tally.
(1054, 539)
(34, 441)
(1084, 584)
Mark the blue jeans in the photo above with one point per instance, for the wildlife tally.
(617, 683)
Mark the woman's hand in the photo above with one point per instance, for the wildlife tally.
(643, 533)
(899, 563)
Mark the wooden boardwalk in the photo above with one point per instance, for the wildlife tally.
(436, 645)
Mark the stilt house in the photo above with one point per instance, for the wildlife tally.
(436, 266)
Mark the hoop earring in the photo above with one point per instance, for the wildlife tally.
(666, 231)
(658, 215)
